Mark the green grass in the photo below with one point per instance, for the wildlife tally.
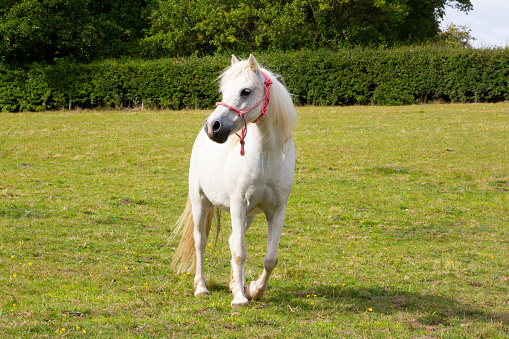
(397, 226)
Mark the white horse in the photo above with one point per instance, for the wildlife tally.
(246, 174)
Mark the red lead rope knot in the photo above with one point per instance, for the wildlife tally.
(265, 106)
(244, 133)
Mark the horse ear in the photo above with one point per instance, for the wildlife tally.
(253, 64)
(234, 60)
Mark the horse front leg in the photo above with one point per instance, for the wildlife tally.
(239, 254)
(200, 211)
(275, 220)
(249, 222)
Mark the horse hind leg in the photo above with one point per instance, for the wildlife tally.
(256, 288)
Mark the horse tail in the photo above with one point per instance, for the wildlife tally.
(184, 257)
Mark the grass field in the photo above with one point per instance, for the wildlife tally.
(397, 227)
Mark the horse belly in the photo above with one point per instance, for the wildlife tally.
(255, 211)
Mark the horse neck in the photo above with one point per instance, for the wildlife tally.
(272, 132)
(266, 136)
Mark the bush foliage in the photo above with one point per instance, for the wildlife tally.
(344, 77)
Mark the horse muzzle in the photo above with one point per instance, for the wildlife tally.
(217, 130)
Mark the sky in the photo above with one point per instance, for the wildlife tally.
(488, 22)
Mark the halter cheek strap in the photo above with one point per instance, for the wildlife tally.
(265, 106)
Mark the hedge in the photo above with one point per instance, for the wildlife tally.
(343, 77)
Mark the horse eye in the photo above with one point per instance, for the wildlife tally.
(245, 92)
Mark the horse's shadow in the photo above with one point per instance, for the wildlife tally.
(429, 310)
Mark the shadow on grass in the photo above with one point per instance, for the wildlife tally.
(215, 287)
(429, 310)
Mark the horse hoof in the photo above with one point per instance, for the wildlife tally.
(201, 293)
(252, 291)
(237, 304)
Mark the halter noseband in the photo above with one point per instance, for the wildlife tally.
(267, 84)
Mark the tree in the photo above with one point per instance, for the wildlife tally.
(86, 30)
(457, 36)
(48, 30)
(185, 27)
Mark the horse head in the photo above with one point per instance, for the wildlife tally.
(243, 88)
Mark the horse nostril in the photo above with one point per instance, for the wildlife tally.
(216, 126)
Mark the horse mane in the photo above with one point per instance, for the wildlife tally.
(281, 111)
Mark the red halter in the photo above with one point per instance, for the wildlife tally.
(267, 84)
